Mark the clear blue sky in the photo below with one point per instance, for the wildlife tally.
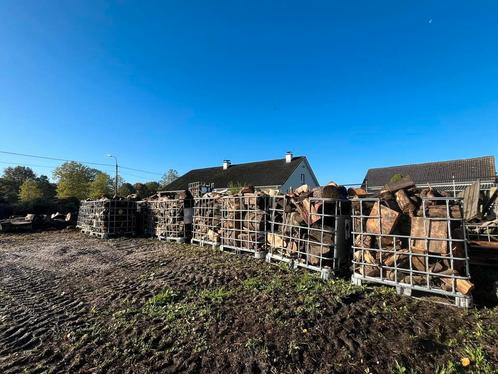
(186, 84)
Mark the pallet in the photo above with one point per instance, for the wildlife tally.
(325, 272)
(204, 243)
(172, 239)
(403, 289)
(258, 254)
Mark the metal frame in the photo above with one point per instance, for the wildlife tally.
(167, 219)
(105, 218)
(322, 246)
(484, 231)
(404, 276)
(206, 217)
(197, 189)
(244, 223)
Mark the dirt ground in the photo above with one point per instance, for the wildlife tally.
(70, 303)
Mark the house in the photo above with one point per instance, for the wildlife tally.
(452, 175)
(282, 174)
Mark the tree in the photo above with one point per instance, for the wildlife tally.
(74, 180)
(30, 191)
(152, 188)
(48, 189)
(101, 186)
(126, 189)
(169, 177)
(11, 181)
(140, 190)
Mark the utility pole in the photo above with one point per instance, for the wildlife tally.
(116, 177)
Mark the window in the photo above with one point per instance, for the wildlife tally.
(303, 179)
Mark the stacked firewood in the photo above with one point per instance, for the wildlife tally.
(169, 214)
(303, 224)
(108, 216)
(244, 218)
(207, 217)
(411, 236)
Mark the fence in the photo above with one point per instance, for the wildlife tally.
(207, 220)
(316, 238)
(244, 223)
(425, 253)
(105, 218)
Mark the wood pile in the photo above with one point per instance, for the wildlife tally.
(207, 218)
(481, 222)
(169, 215)
(108, 216)
(411, 236)
(244, 220)
(310, 226)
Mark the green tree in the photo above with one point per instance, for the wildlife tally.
(168, 177)
(73, 180)
(126, 189)
(30, 191)
(48, 189)
(101, 186)
(152, 188)
(11, 181)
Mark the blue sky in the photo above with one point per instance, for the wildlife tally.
(186, 84)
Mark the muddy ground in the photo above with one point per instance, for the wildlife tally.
(70, 303)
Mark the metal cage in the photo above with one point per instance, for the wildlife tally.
(244, 220)
(425, 253)
(169, 219)
(317, 239)
(207, 220)
(106, 217)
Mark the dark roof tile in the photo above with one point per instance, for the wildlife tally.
(262, 173)
(436, 172)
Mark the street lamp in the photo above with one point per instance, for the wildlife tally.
(116, 178)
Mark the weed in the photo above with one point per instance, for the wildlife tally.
(163, 298)
(293, 347)
(254, 344)
(215, 296)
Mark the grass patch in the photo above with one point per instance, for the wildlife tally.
(215, 296)
(164, 297)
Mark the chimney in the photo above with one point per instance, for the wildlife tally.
(226, 164)
(288, 157)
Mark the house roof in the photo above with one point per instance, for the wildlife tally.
(464, 170)
(262, 173)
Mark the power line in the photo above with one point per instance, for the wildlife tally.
(83, 162)
(53, 167)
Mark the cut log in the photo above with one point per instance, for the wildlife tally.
(404, 202)
(301, 189)
(463, 286)
(403, 183)
(278, 242)
(383, 221)
(471, 201)
(425, 228)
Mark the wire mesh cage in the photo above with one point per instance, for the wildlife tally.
(312, 233)
(482, 232)
(108, 217)
(244, 220)
(169, 216)
(207, 219)
(426, 251)
(200, 188)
